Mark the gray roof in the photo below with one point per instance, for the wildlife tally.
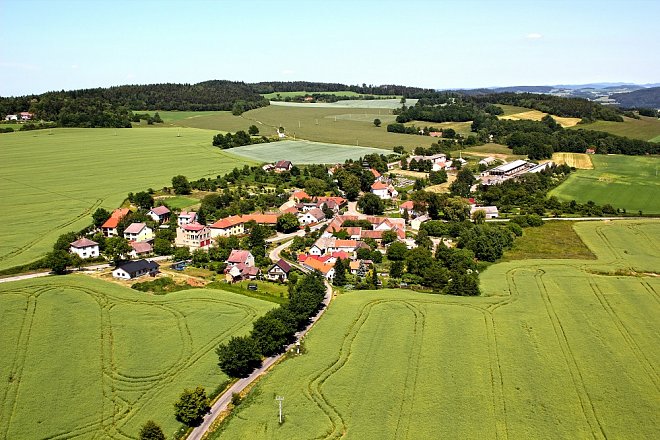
(134, 266)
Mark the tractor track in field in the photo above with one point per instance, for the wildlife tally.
(644, 361)
(588, 408)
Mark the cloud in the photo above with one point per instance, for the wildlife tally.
(533, 36)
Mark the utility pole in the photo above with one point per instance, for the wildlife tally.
(280, 399)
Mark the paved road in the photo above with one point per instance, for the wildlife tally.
(223, 402)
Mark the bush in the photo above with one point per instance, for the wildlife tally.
(528, 220)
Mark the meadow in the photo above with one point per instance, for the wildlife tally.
(83, 358)
(53, 180)
(555, 348)
(349, 103)
(645, 128)
(303, 152)
(303, 93)
(629, 182)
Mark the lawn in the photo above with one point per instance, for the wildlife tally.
(53, 180)
(645, 128)
(179, 202)
(629, 182)
(552, 347)
(303, 152)
(89, 359)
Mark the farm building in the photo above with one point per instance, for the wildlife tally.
(540, 167)
(279, 271)
(509, 169)
(159, 214)
(135, 269)
(193, 236)
(25, 116)
(85, 248)
(11, 118)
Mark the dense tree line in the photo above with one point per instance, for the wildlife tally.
(296, 86)
(643, 98)
(237, 139)
(457, 112)
(273, 331)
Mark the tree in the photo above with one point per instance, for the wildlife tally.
(256, 240)
(57, 261)
(389, 237)
(162, 246)
(192, 406)
(399, 149)
(100, 216)
(253, 130)
(377, 122)
(315, 187)
(340, 273)
(479, 217)
(150, 430)
(437, 177)
(181, 185)
(371, 204)
(464, 181)
(456, 209)
(239, 357)
(374, 277)
(396, 269)
(143, 200)
(287, 223)
(116, 248)
(397, 251)
(157, 119)
(272, 334)
(351, 185)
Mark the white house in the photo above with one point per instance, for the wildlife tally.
(140, 249)
(490, 211)
(159, 214)
(11, 118)
(193, 236)
(134, 269)
(85, 248)
(225, 227)
(238, 257)
(138, 232)
(384, 191)
(487, 161)
(186, 218)
(314, 215)
(279, 271)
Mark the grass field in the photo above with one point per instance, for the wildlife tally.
(388, 104)
(645, 128)
(302, 152)
(179, 202)
(576, 160)
(552, 350)
(52, 183)
(292, 94)
(629, 182)
(555, 239)
(83, 358)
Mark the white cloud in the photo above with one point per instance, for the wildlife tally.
(534, 36)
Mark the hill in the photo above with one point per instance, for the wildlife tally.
(643, 98)
(318, 87)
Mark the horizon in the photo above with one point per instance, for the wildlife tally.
(79, 45)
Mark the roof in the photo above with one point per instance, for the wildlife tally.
(192, 227)
(341, 254)
(353, 230)
(160, 210)
(338, 200)
(83, 242)
(375, 173)
(486, 209)
(378, 185)
(135, 266)
(238, 256)
(264, 219)
(315, 264)
(510, 166)
(286, 267)
(407, 205)
(301, 195)
(317, 213)
(228, 222)
(291, 210)
(376, 235)
(283, 164)
(141, 247)
(191, 214)
(115, 217)
(135, 228)
(345, 243)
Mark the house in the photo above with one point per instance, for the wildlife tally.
(408, 205)
(282, 166)
(268, 167)
(25, 116)
(135, 269)
(589, 150)
(241, 272)
(138, 232)
(279, 271)
(261, 219)
(490, 211)
(381, 190)
(313, 216)
(436, 134)
(321, 246)
(109, 228)
(417, 222)
(300, 195)
(225, 227)
(359, 267)
(339, 201)
(193, 236)
(140, 249)
(186, 218)
(238, 256)
(160, 214)
(85, 248)
(328, 270)
(347, 246)
(11, 118)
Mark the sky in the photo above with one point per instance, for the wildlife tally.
(63, 45)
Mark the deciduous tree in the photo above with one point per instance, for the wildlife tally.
(192, 406)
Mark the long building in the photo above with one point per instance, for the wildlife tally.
(509, 169)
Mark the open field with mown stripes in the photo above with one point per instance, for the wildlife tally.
(565, 348)
(83, 358)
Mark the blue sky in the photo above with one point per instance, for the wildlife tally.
(53, 45)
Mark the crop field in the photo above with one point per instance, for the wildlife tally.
(206, 120)
(83, 358)
(553, 348)
(349, 103)
(646, 128)
(52, 183)
(630, 182)
(292, 94)
(303, 152)
(577, 160)
(536, 115)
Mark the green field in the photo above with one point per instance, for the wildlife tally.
(83, 358)
(52, 183)
(630, 182)
(387, 104)
(180, 202)
(303, 152)
(646, 128)
(552, 350)
(292, 94)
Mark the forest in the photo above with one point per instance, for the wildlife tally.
(296, 86)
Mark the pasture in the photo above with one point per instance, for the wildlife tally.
(630, 182)
(303, 152)
(52, 183)
(645, 128)
(83, 358)
(552, 348)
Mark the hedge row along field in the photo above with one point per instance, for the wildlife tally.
(630, 182)
(53, 180)
(85, 358)
(556, 348)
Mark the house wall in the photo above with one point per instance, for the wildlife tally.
(86, 252)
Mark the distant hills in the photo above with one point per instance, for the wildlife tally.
(642, 98)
